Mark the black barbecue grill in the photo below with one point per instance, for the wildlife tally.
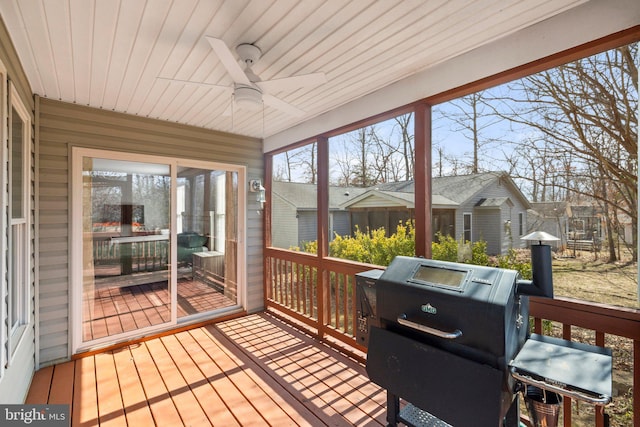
(446, 339)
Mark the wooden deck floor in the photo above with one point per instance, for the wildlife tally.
(111, 310)
(251, 371)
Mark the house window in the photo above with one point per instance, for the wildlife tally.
(521, 223)
(443, 223)
(466, 227)
(18, 238)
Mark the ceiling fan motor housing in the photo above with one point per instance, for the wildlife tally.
(249, 53)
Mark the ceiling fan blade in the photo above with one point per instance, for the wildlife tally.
(191, 82)
(228, 60)
(294, 82)
(279, 104)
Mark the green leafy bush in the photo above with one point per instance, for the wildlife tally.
(374, 247)
(479, 253)
(309, 247)
(444, 248)
(512, 261)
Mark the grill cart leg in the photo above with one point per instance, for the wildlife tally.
(393, 409)
(512, 418)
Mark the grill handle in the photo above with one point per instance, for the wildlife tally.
(574, 394)
(402, 319)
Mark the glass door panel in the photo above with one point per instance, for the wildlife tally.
(126, 217)
(207, 246)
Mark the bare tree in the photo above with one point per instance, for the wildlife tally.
(344, 164)
(298, 165)
(439, 165)
(589, 108)
(374, 154)
(308, 163)
(472, 116)
(407, 150)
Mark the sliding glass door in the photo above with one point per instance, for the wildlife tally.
(126, 218)
(158, 243)
(207, 233)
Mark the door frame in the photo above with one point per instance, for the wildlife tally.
(76, 233)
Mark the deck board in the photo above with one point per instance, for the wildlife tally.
(134, 400)
(185, 402)
(219, 409)
(61, 389)
(305, 366)
(160, 402)
(245, 413)
(110, 407)
(85, 398)
(40, 386)
(250, 371)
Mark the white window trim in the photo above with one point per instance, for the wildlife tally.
(16, 330)
(4, 137)
(470, 214)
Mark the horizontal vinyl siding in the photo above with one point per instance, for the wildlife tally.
(489, 223)
(307, 227)
(375, 202)
(341, 224)
(486, 226)
(63, 126)
(283, 220)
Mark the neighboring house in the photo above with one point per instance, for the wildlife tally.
(294, 212)
(587, 223)
(568, 222)
(486, 206)
(625, 228)
(550, 217)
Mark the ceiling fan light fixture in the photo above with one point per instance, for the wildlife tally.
(248, 98)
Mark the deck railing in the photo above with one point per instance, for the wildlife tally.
(320, 292)
(132, 254)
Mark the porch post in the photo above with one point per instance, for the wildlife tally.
(422, 176)
(266, 227)
(322, 145)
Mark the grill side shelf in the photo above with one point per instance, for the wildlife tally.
(574, 394)
(577, 370)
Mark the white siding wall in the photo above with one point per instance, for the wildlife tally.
(63, 126)
(488, 223)
(486, 226)
(307, 226)
(341, 224)
(285, 231)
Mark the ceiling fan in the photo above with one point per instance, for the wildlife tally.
(248, 90)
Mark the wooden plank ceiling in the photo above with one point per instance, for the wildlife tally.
(109, 54)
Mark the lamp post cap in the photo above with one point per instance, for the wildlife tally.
(539, 236)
